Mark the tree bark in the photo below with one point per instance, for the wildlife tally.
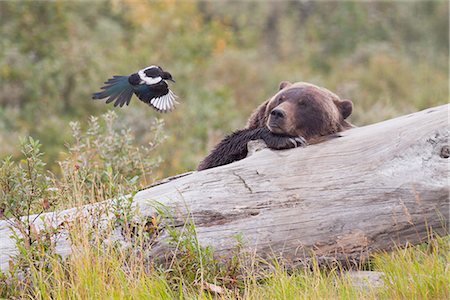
(374, 188)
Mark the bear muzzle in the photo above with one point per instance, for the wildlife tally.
(276, 120)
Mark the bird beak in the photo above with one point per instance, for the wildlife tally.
(172, 80)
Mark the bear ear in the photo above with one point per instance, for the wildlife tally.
(346, 108)
(284, 84)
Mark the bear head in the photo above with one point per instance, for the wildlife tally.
(307, 110)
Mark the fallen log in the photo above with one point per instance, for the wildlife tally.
(374, 188)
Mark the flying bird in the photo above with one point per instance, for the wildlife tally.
(149, 85)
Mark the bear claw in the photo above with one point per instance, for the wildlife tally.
(299, 142)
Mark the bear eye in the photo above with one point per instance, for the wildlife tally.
(305, 102)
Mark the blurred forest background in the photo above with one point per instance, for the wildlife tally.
(390, 58)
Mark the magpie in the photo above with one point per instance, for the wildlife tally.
(149, 85)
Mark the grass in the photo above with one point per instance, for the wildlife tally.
(422, 272)
(99, 272)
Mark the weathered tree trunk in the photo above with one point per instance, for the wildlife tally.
(376, 187)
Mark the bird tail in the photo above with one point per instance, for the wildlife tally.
(117, 88)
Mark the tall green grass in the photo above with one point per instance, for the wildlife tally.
(420, 272)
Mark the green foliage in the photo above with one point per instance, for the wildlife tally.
(25, 189)
(102, 162)
(390, 58)
(24, 185)
(107, 156)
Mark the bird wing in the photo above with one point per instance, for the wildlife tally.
(116, 89)
(158, 96)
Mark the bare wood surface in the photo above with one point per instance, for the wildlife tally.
(376, 187)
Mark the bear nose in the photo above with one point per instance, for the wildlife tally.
(278, 113)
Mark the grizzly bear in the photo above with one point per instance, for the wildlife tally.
(299, 114)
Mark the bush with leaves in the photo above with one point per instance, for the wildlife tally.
(105, 162)
(102, 162)
(25, 188)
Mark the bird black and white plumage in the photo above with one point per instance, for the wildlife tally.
(149, 85)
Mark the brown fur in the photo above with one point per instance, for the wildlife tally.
(297, 110)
